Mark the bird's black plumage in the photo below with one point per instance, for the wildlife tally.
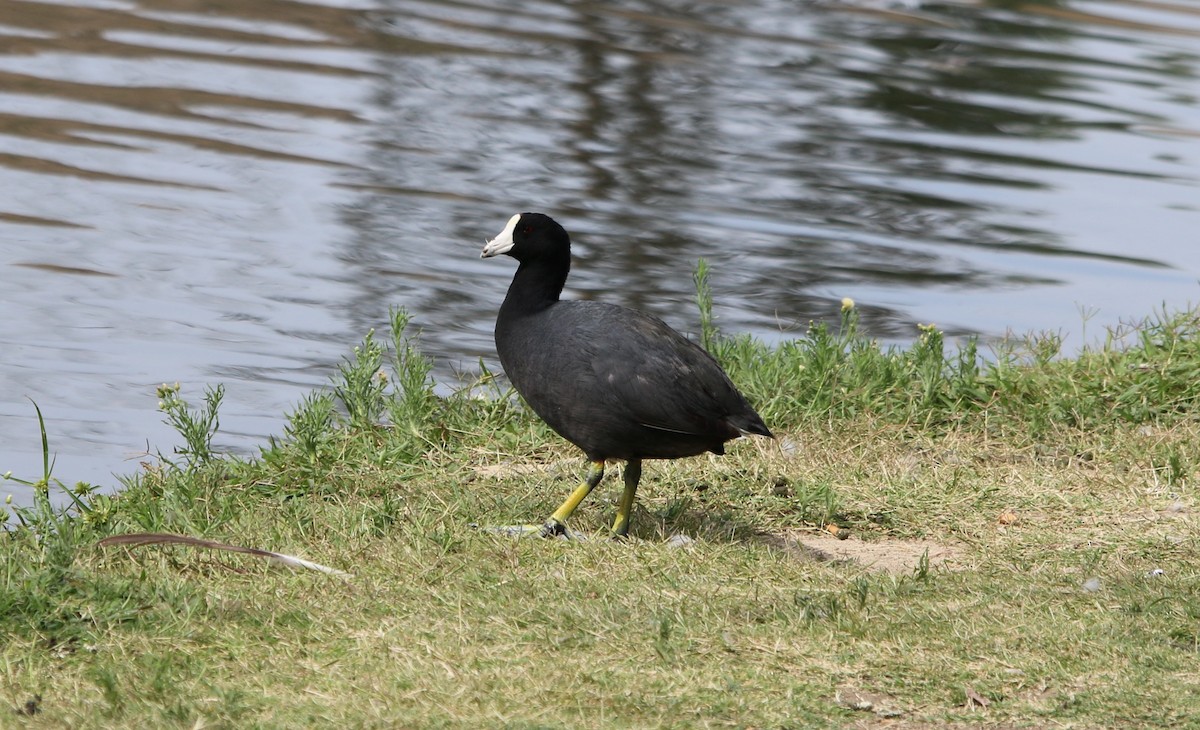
(617, 383)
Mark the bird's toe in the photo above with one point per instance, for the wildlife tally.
(548, 529)
(513, 530)
(554, 528)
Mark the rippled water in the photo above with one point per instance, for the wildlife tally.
(235, 191)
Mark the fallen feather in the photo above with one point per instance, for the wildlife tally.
(138, 539)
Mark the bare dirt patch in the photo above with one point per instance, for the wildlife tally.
(888, 555)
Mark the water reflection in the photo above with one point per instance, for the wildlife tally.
(235, 192)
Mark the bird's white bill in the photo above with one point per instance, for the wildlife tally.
(502, 243)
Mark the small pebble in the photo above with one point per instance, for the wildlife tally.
(1156, 573)
(1091, 585)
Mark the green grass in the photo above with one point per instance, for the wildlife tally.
(1057, 485)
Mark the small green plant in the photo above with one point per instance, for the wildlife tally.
(50, 531)
(921, 572)
(43, 517)
(362, 384)
(663, 646)
(196, 427)
(860, 590)
(410, 402)
(320, 434)
(310, 426)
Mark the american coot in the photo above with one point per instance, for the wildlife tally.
(617, 383)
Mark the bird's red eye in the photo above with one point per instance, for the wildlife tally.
(527, 230)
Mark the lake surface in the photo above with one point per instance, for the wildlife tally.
(235, 191)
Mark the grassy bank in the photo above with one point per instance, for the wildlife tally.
(936, 538)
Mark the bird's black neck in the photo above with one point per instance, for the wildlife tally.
(536, 285)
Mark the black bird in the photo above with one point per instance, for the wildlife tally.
(617, 383)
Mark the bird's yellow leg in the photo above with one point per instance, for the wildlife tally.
(633, 474)
(556, 524)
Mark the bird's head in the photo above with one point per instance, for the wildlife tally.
(529, 236)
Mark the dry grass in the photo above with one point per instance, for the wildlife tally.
(447, 626)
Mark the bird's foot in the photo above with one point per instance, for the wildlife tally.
(550, 528)
(554, 528)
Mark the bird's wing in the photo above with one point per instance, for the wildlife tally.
(661, 379)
